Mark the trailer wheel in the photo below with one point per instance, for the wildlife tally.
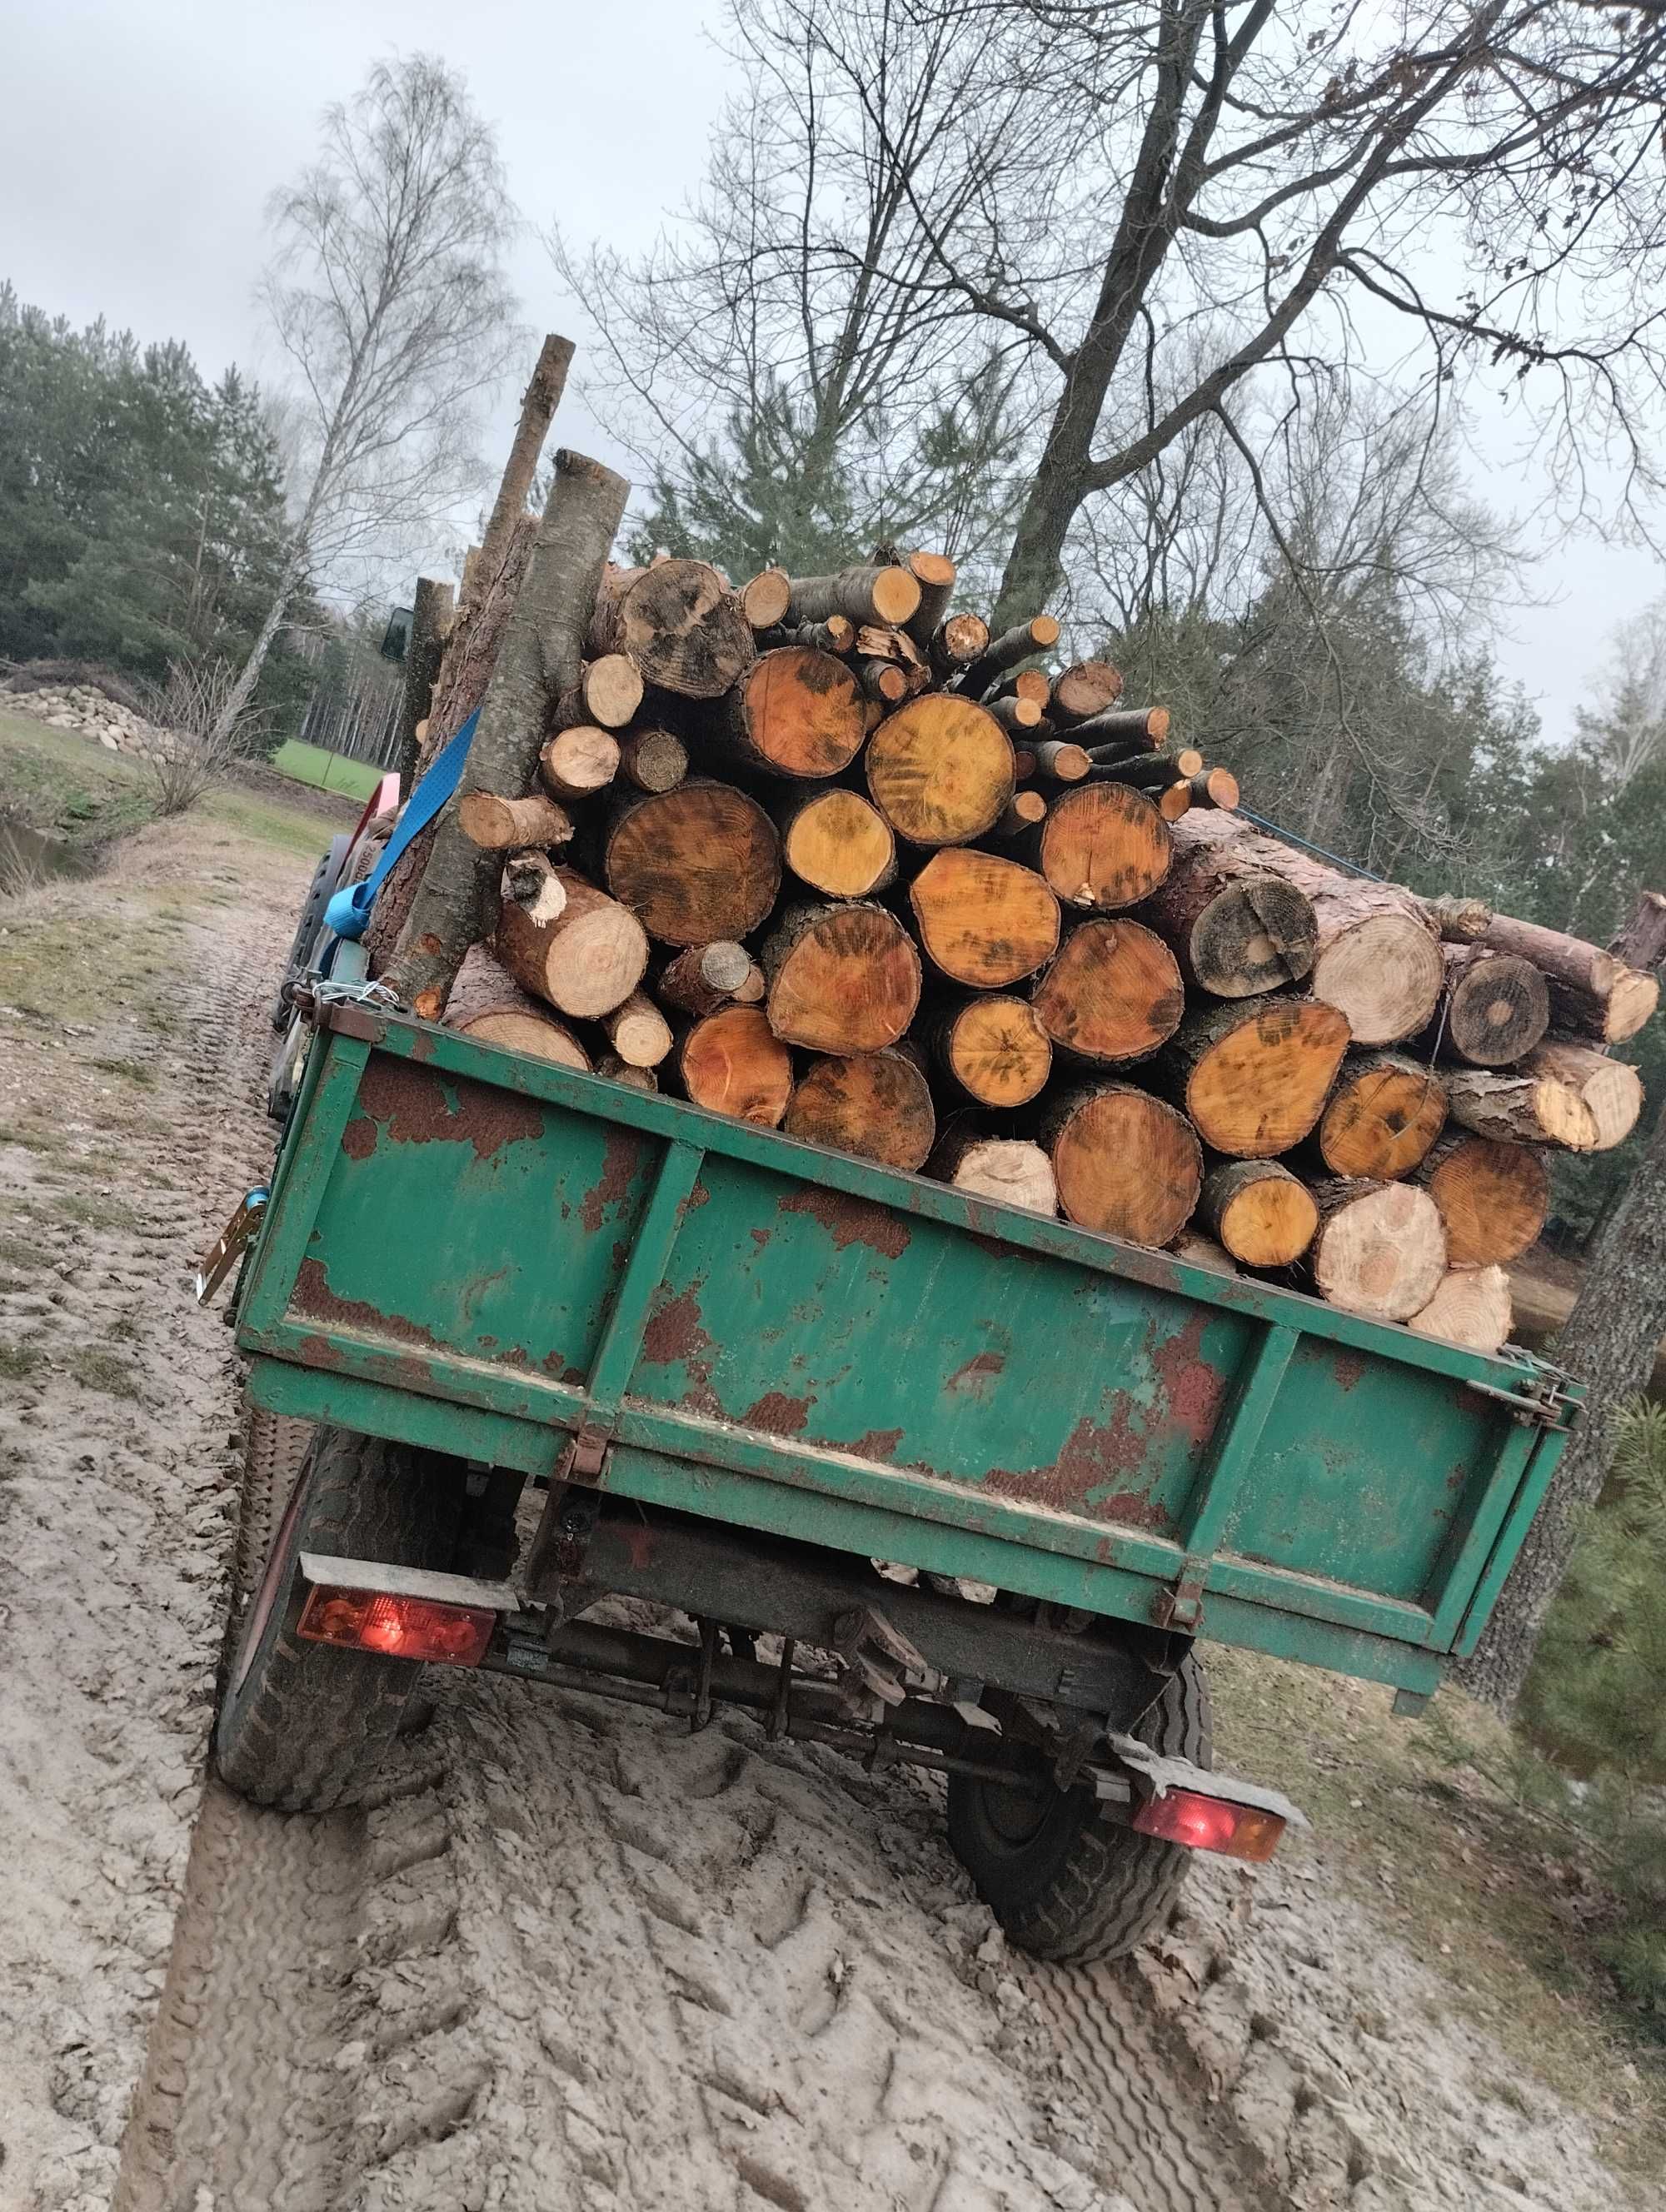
(1063, 1881)
(303, 1726)
(326, 877)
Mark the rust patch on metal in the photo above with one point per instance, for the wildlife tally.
(554, 1366)
(1194, 1388)
(984, 1362)
(697, 1197)
(316, 1300)
(778, 1415)
(1094, 1456)
(673, 1336)
(422, 1046)
(318, 1351)
(1348, 1367)
(358, 1139)
(621, 1156)
(851, 1220)
(415, 1109)
(759, 1236)
(875, 1443)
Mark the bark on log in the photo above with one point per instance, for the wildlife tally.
(1144, 771)
(1471, 1307)
(1492, 1197)
(1111, 994)
(1380, 1249)
(1642, 943)
(1381, 1118)
(700, 862)
(538, 403)
(957, 643)
(1028, 808)
(1011, 1171)
(620, 1070)
(1461, 920)
(983, 921)
(1125, 729)
(876, 1104)
(1563, 1095)
(1264, 1215)
(837, 841)
(883, 683)
(934, 573)
(504, 825)
(940, 770)
(1086, 688)
(1127, 1164)
(532, 880)
(538, 658)
(1214, 787)
(994, 1048)
(586, 962)
(1377, 955)
(1103, 846)
(1253, 1077)
(433, 612)
(886, 594)
(731, 1062)
(653, 760)
(1591, 993)
(680, 624)
(1062, 762)
(1019, 718)
(1038, 635)
(638, 1032)
(608, 692)
(577, 763)
(486, 1004)
(706, 976)
(1200, 1251)
(1235, 930)
(1494, 1009)
(841, 978)
(1031, 683)
(765, 600)
(795, 713)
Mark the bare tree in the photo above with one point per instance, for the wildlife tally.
(197, 733)
(387, 296)
(1627, 731)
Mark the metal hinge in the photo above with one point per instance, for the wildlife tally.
(1181, 1607)
(585, 1458)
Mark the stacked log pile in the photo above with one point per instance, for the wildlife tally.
(824, 854)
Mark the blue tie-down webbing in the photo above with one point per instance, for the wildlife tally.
(348, 912)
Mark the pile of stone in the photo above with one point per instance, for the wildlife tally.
(89, 712)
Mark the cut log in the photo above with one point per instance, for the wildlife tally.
(620, 1070)
(1174, 800)
(1214, 787)
(934, 573)
(841, 978)
(653, 760)
(876, 1104)
(577, 763)
(1019, 718)
(1031, 683)
(1111, 994)
(958, 643)
(1005, 652)
(1264, 1215)
(607, 694)
(1084, 689)
(1130, 729)
(837, 841)
(1235, 930)
(940, 770)
(1127, 1164)
(1461, 920)
(995, 1050)
(532, 880)
(1494, 1008)
(731, 1062)
(1377, 955)
(586, 962)
(638, 1032)
(1494, 1198)
(1198, 1251)
(433, 612)
(1102, 846)
(1059, 762)
(796, 712)
(884, 683)
(765, 600)
(1011, 1171)
(1381, 1118)
(680, 624)
(1563, 1095)
(1380, 1249)
(1188, 761)
(983, 921)
(1253, 1077)
(1027, 809)
(1145, 771)
(486, 1003)
(700, 862)
(1641, 944)
(885, 595)
(503, 825)
(1471, 1307)
(705, 977)
(1591, 993)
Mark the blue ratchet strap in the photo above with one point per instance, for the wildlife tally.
(348, 912)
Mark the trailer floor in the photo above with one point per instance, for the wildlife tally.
(572, 1955)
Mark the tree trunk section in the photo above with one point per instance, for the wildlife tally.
(1254, 1078)
(1591, 993)
(1038, 635)
(680, 624)
(608, 692)
(486, 1004)
(1381, 1118)
(876, 1104)
(707, 976)
(538, 403)
(504, 825)
(731, 1062)
(1494, 1008)
(585, 961)
(700, 862)
(983, 921)
(1086, 688)
(1235, 930)
(837, 841)
(1111, 994)
(1563, 1095)
(1127, 1164)
(765, 600)
(1102, 847)
(653, 760)
(638, 1032)
(1492, 1197)
(994, 1049)
(888, 595)
(795, 713)
(432, 614)
(577, 763)
(934, 573)
(1380, 1249)
(1264, 1215)
(841, 978)
(1011, 1171)
(940, 770)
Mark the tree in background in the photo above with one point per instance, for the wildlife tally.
(387, 296)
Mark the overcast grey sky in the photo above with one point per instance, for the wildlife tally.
(143, 135)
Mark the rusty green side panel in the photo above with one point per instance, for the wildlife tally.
(482, 1253)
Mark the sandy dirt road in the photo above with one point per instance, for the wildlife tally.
(569, 1955)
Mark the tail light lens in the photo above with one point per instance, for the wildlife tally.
(400, 1628)
(1210, 1824)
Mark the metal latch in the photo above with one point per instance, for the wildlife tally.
(234, 1240)
(1181, 1607)
(1538, 1406)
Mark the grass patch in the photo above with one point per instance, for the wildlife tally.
(268, 821)
(68, 786)
(97, 1212)
(53, 962)
(130, 1071)
(95, 1369)
(34, 1138)
(18, 1362)
(18, 1252)
(325, 771)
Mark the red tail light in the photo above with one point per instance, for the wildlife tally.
(1210, 1824)
(403, 1628)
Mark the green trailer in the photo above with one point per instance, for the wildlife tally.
(565, 1342)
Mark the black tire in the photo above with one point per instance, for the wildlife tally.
(1063, 1881)
(303, 1726)
(326, 877)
